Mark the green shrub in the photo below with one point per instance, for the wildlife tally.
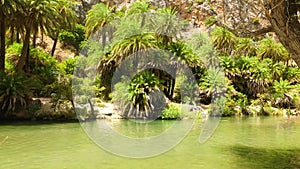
(12, 54)
(200, 1)
(15, 91)
(9, 67)
(140, 87)
(92, 48)
(68, 66)
(83, 92)
(171, 112)
(42, 65)
(134, 94)
(213, 83)
(249, 75)
(218, 107)
(61, 89)
(246, 47)
(268, 110)
(73, 37)
(228, 111)
(223, 40)
(292, 74)
(66, 37)
(268, 48)
(210, 21)
(15, 48)
(297, 101)
(281, 94)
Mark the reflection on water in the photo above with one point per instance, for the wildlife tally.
(134, 129)
(238, 143)
(145, 139)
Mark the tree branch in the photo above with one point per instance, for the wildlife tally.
(245, 34)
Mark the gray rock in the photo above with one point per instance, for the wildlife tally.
(116, 116)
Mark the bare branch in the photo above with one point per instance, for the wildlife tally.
(244, 34)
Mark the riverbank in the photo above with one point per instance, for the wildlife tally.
(44, 110)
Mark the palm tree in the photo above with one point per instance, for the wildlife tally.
(67, 19)
(223, 40)
(128, 39)
(184, 53)
(7, 7)
(230, 67)
(281, 90)
(181, 54)
(15, 25)
(167, 26)
(131, 45)
(97, 19)
(248, 74)
(246, 47)
(139, 9)
(214, 82)
(277, 69)
(292, 74)
(15, 89)
(135, 96)
(37, 14)
(259, 80)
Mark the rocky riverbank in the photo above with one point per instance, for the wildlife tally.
(42, 109)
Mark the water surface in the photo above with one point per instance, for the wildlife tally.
(238, 143)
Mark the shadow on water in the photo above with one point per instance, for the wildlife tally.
(30, 123)
(252, 157)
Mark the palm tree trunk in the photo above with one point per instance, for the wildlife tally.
(27, 65)
(93, 116)
(34, 40)
(23, 57)
(169, 86)
(173, 79)
(110, 34)
(54, 43)
(143, 20)
(18, 37)
(12, 34)
(2, 46)
(172, 88)
(103, 39)
(165, 39)
(135, 62)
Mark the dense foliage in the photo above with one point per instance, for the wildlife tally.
(15, 91)
(240, 75)
(73, 37)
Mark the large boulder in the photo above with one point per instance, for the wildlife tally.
(62, 110)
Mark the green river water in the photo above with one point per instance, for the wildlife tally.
(238, 143)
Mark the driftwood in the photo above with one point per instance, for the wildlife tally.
(3, 140)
